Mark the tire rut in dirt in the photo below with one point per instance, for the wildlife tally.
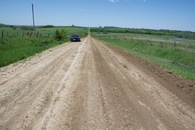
(60, 114)
(117, 106)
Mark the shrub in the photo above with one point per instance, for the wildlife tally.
(60, 35)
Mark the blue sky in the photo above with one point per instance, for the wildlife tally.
(151, 14)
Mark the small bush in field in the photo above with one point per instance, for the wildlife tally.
(60, 35)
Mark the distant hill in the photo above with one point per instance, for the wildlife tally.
(4, 25)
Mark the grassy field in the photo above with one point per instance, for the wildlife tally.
(17, 43)
(173, 53)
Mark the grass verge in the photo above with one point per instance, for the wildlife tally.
(14, 49)
(173, 59)
(17, 44)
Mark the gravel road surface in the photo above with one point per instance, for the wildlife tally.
(91, 85)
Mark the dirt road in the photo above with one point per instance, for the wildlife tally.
(90, 85)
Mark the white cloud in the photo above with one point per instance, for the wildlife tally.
(113, 1)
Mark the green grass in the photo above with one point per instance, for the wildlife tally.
(179, 58)
(17, 44)
(14, 49)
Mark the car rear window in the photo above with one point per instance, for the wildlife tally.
(75, 35)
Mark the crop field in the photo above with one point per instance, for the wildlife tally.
(18, 43)
(176, 54)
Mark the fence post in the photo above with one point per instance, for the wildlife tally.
(149, 42)
(37, 34)
(31, 34)
(161, 44)
(2, 34)
(23, 35)
(174, 43)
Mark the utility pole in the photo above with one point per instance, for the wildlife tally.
(33, 17)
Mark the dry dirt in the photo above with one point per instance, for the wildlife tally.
(92, 85)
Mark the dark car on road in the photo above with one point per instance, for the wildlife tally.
(75, 38)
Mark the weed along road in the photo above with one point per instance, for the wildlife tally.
(92, 85)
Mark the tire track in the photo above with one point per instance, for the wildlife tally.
(63, 100)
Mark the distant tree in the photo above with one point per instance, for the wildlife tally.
(3, 25)
(26, 28)
(47, 26)
(14, 27)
